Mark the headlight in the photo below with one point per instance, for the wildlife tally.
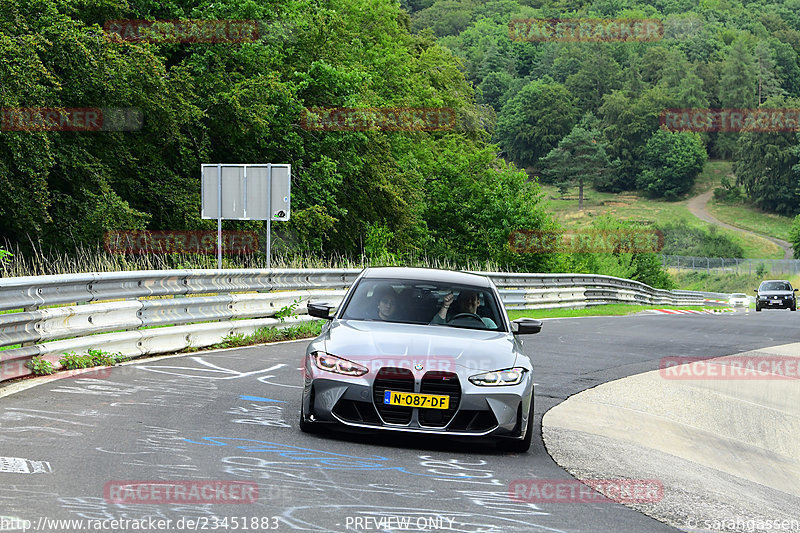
(499, 378)
(337, 365)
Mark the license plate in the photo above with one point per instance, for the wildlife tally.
(411, 399)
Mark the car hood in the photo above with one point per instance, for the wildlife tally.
(377, 344)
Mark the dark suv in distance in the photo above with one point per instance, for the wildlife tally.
(776, 294)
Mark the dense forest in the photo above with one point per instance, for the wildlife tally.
(458, 193)
(713, 54)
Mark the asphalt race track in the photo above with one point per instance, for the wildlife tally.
(67, 446)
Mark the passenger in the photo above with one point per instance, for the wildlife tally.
(387, 304)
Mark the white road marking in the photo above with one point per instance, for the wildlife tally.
(18, 465)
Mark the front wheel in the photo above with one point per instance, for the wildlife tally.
(758, 308)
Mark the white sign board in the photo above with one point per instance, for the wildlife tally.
(248, 192)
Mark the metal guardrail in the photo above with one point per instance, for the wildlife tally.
(774, 267)
(122, 311)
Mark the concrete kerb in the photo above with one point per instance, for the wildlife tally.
(721, 447)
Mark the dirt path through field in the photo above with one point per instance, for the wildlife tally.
(697, 206)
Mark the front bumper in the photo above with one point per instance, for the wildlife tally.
(776, 303)
(481, 411)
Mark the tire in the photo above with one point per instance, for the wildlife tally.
(758, 308)
(521, 446)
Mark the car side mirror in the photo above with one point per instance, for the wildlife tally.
(755, 291)
(526, 326)
(795, 290)
(320, 310)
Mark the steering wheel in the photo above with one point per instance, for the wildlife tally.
(469, 315)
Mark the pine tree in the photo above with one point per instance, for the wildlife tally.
(578, 158)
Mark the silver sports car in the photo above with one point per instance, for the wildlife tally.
(421, 351)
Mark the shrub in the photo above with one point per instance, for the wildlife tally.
(72, 361)
(674, 159)
(40, 366)
(101, 358)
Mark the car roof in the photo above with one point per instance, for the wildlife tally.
(776, 281)
(427, 274)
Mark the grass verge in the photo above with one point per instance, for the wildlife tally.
(727, 282)
(597, 310)
(751, 218)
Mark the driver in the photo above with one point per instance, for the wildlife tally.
(467, 302)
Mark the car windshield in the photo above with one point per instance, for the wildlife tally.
(775, 286)
(419, 302)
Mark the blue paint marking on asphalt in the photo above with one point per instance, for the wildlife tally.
(259, 399)
(316, 458)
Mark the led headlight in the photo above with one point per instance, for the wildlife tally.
(331, 363)
(499, 378)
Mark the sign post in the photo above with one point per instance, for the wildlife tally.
(245, 192)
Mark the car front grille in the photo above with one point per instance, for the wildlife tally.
(394, 379)
(442, 383)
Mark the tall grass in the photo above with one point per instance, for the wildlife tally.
(41, 263)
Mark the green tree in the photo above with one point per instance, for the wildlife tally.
(738, 85)
(579, 158)
(474, 200)
(768, 83)
(794, 236)
(639, 265)
(673, 159)
(766, 165)
(445, 17)
(599, 74)
(534, 120)
(738, 88)
(627, 124)
(493, 87)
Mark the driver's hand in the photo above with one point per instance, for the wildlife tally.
(448, 300)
